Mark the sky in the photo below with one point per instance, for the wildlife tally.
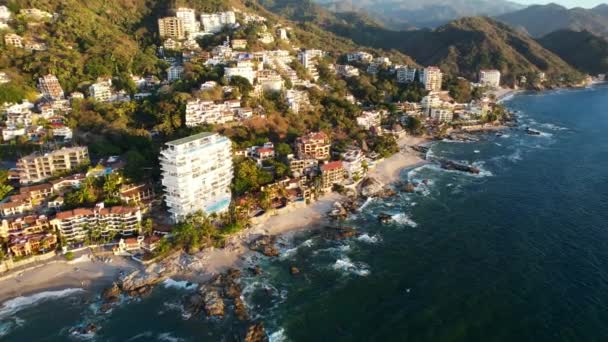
(567, 3)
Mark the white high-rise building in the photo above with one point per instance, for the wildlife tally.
(215, 22)
(242, 69)
(405, 74)
(432, 78)
(175, 73)
(197, 173)
(490, 78)
(188, 18)
(101, 91)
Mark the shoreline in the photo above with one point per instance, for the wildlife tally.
(95, 276)
(82, 273)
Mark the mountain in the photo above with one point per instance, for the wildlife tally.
(601, 10)
(461, 47)
(540, 20)
(464, 46)
(119, 37)
(400, 14)
(584, 50)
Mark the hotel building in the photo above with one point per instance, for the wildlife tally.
(38, 167)
(197, 173)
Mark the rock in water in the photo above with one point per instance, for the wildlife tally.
(266, 245)
(385, 218)
(213, 302)
(256, 270)
(370, 187)
(409, 187)
(256, 333)
(111, 294)
(339, 233)
(240, 309)
(294, 270)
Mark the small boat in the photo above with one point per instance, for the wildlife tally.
(531, 131)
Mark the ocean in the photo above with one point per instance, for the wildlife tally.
(516, 253)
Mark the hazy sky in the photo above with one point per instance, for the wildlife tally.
(567, 3)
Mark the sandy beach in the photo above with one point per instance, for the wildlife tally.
(80, 273)
(93, 276)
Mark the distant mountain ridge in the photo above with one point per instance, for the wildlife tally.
(584, 50)
(540, 20)
(461, 47)
(400, 14)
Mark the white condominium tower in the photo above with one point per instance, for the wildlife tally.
(197, 174)
(432, 78)
(188, 18)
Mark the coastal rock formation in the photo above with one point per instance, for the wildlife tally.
(255, 270)
(256, 333)
(111, 294)
(212, 297)
(294, 270)
(370, 187)
(240, 309)
(339, 233)
(265, 244)
(451, 165)
(212, 301)
(409, 187)
(385, 218)
(137, 282)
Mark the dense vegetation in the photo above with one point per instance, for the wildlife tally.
(540, 20)
(460, 48)
(584, 50)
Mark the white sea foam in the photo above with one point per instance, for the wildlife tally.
(346, 265)
(369, 239)
(405, 220)
(367, 202)
(145, 336)
(477, 151)
(553, 127)
(15, 305)
(288, 253)
(277, 336)
(341, 249)
(167, 337)
(182, 285)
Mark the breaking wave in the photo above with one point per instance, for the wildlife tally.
(182, 285)
(346, 265)
(15, 305)
(405, 220)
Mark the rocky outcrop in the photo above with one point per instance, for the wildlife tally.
(212, 297)
(256, 333)
(213, 303)
(385, 218)
(294, 271)
(370, 187)
(141, 282)
(255, 270)
(265, 244)
(409, 188)
(111, 294)
(451, 165)
(339, 233)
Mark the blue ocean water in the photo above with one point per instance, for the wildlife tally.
(517, 253)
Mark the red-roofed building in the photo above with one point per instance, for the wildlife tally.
(74, 225)
(313, 146)
(24, 225)
(32, 244)
(332, 173)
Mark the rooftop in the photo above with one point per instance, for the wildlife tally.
(190, 139)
